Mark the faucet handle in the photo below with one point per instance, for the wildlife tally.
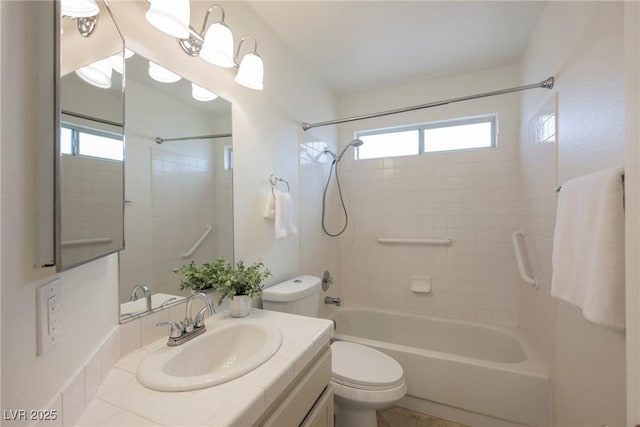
(176, 328)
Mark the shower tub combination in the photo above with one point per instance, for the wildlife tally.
(481, 374)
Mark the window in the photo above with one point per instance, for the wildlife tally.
(79, 141)
(228, 157)
(459, 134)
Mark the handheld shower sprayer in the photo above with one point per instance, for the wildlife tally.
(334, 165)
(336, 158)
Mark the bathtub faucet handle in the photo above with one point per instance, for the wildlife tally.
(332, 300)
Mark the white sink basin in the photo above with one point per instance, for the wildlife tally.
(227, 350)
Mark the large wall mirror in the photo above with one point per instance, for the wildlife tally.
(178, 186)
(90, 145)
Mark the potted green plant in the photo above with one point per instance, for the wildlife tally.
(240, 283)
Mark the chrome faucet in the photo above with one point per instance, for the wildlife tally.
(187, 330)
(146, 292)
(188, 323)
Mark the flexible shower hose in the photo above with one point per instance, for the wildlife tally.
(334, 166)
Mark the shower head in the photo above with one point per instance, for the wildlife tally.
(355, 143)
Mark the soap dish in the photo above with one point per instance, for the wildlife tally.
(420, 284)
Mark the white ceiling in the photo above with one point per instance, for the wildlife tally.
(360, 45)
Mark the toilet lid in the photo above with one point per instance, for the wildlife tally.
(361, 365)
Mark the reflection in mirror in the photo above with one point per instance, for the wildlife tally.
(90, 170)
(178, 189)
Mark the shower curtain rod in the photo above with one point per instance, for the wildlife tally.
(187, 138)
(545, 84)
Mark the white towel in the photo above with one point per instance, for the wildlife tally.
(270, 207)
(284, 216)
(588, 247)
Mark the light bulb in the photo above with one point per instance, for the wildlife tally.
(217, 47)
(97, 74)
(201, 94)
(251, 71)
(79, 8)
(170, 16)
(161, 74)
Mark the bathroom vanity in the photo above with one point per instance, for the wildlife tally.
(292, 388)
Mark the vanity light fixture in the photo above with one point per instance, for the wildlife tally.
(97, 74)
(84, 12)
(170, 16)
(201, 94)
(251, 69)
(161, 74)
(215, 45)
(79, 8)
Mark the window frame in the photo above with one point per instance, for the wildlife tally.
(76, 130)
(421, 128)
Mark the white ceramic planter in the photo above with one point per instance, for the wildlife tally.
(240, 305)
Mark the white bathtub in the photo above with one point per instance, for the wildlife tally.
(475, 368)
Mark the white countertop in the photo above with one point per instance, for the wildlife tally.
(123, 401)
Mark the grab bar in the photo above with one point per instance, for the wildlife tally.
(516, 238)
(198, 242)
(79, 242)
(430, 242)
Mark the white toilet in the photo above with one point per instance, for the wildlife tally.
(364, 379)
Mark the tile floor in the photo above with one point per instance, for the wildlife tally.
(400, 417)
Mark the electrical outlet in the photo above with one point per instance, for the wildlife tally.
(48, 314)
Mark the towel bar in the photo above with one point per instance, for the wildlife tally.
(90, 241)
(431, 242)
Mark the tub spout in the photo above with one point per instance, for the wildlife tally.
(332, 300)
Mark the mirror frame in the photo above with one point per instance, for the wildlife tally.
(57, 155)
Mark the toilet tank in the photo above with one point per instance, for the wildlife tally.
(300, 295)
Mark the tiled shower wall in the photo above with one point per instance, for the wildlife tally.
(319, 252)
(470, 197)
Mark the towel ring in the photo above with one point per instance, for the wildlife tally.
(274, 180)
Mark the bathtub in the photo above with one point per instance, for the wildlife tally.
(462, 366)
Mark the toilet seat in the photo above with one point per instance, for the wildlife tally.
(364, 368)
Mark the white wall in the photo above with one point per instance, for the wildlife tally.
(469, 196)
(266, 136)
(89, 300)
(581, 44)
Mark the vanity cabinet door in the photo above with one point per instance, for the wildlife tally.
(305, 396)
(322, 414)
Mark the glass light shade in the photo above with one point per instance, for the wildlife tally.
(251, 71)
(217, 47)
(170, 16)
(201, 94)
(79, 8)
(97, 74)
(161, 74)
(117, 60)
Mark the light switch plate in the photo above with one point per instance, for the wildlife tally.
(48, 314)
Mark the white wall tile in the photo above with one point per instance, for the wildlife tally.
(110, 351)
(73, 400)
(93, 375)
(130, 337)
